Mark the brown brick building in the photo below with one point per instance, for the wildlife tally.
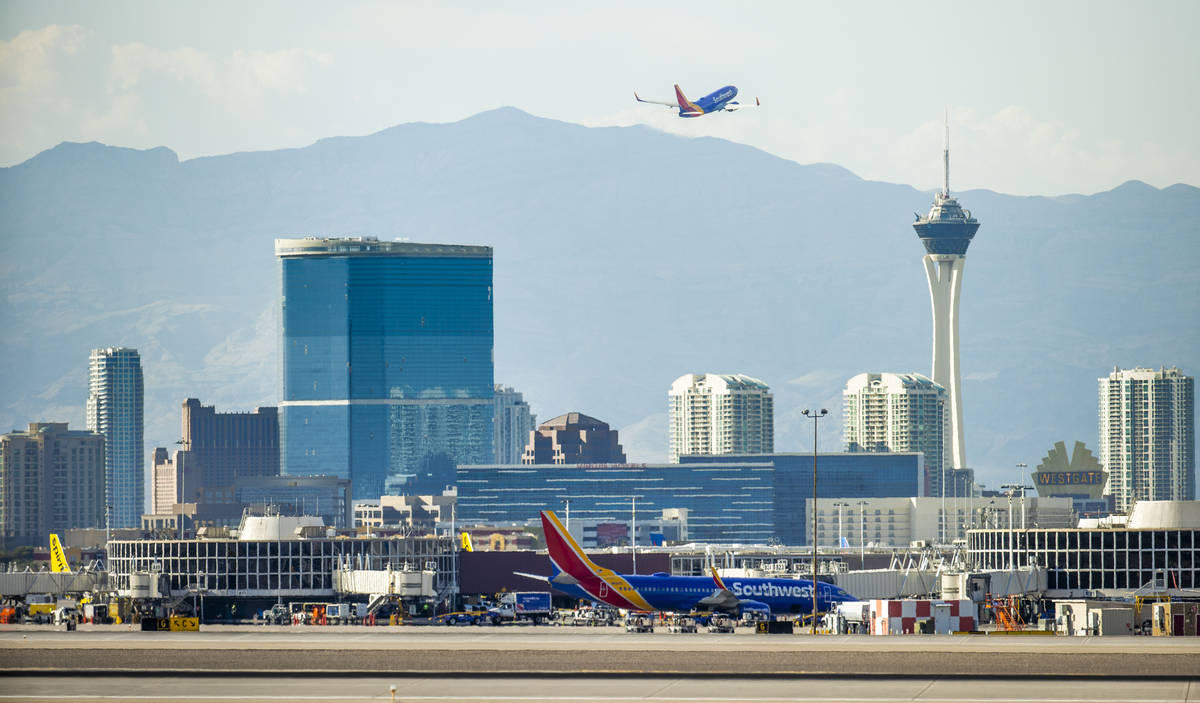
(573, 438)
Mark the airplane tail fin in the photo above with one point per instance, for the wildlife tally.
(565, 553)
(58, 560)
(685, 105)
(717, 579)
(466, 542)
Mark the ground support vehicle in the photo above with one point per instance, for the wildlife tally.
(39, 608)
(751, 618)
(681, 623)
(279, 614)
(456, 618)
(66, 616)
(527, 606)
(720, 622)
(96, 613)
(639, 622)
(345, 613)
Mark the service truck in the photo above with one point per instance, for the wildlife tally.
(521, 606)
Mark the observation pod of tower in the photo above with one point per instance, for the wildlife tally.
(946, 232)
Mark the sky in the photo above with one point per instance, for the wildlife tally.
(1043, 98)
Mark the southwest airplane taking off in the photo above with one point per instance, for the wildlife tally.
(721, 100)
(577, 575)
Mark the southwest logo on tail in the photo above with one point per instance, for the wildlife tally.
(717, 101)
(58, 560)
(577, 575)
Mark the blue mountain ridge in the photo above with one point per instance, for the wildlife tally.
(624, 257)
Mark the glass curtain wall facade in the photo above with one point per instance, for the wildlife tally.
(747, 498)
(386, 361)
(115, 409)
(725, 502)
(892, 475)
(1094, 560)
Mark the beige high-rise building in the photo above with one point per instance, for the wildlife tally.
(1148, 435)
(512, 422)
(51, 480)
(899, 412)
(720, 414)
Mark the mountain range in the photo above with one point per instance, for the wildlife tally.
(624, 258)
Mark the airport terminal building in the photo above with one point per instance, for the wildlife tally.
(1160, 545)
(271, 557)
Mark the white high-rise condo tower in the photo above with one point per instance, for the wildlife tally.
(720, 414)
(946, 233)
(1148, 435)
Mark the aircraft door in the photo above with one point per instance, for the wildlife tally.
(603, 589)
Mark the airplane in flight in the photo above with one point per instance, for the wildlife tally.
(577, 575)
(718, 101)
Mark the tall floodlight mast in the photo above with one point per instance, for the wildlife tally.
(946, 233)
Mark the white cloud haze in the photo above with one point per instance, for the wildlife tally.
(1052, 107)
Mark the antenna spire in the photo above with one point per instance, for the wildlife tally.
(946, 159)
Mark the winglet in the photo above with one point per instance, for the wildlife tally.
(717, 579)
(466, 542)
(756, 102)
(637, 97)
(58, 560)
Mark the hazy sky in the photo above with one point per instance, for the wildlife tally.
(1044, 97)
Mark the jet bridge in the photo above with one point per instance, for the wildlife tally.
(18, 584)
(402, 583)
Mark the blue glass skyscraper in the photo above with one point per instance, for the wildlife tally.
(386, 372)
(115, 410)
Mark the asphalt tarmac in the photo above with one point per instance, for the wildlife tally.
(156, 689)
(543, 651)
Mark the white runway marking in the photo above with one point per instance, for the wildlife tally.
(574, 698)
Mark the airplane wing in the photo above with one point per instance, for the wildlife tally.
(732, 106)
(721, 599)
(672, 103)
(535, 577)
(561, 578)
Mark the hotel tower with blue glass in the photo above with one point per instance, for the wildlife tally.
(386, 371)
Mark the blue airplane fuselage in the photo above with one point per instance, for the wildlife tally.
(683, 593)
(713, 102)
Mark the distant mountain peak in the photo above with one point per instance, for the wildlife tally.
(97, 153)
(1135, 186)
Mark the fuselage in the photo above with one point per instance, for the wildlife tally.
(685, 593)
(713, 102)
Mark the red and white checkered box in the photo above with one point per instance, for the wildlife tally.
(899, 617)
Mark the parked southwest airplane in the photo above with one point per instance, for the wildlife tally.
(721, 100)
(577, 575)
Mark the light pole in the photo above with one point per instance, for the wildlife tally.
(633, 538)
(1011, 489)
(862, 532)
(839, 506)
(1021, 484)
(815, 416)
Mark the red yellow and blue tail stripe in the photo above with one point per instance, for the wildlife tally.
(686, 105)
(604, 585)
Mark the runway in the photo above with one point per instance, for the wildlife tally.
(542, 651)
(153, 689)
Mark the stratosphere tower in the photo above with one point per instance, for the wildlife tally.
(946, 233)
